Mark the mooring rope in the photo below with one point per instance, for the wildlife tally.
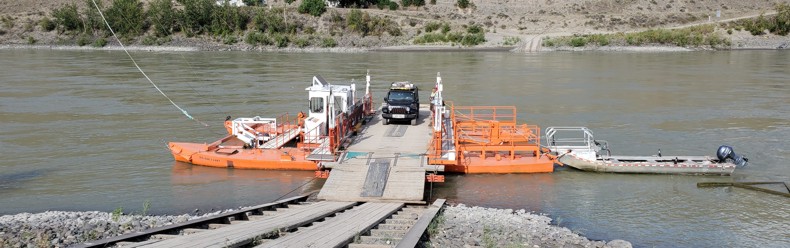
(140, 69)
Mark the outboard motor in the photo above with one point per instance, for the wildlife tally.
(725, 152)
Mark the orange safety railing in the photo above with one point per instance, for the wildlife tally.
(486, 130)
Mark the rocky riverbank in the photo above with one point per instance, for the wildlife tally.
(61, 229)
(462, 226)
(457, 226)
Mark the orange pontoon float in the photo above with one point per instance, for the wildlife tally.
(484, 139)
(286, 143)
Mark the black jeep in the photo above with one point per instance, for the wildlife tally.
(402, 103)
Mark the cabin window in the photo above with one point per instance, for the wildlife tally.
(317, 104)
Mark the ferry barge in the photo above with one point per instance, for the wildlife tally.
(476, 139)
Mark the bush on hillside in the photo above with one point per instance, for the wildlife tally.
(195, 18)
(782, 19)
(357, 21)
(407, 3)
(67, 18)
(47, 24)
(271, 21)
(162, 17)
(126, 17)
(227, 19)
(312, 7)
(462, 4)
(93, 21)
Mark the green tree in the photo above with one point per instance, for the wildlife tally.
(312, 7)
(357, 21)
(270, 21)
(67, 18)
(406, 3)
(162, 17)
(93, 21)
(463, 4)
(126, 17)
(196, 16)
(226, 19)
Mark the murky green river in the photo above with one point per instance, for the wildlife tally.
(83, 130)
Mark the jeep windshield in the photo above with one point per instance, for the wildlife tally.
(402, 97)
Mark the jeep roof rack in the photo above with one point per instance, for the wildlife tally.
(406, 85)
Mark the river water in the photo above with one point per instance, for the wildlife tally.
(83, 130)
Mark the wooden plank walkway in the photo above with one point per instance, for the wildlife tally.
(340, 230)
(384, 163)
(244, 233)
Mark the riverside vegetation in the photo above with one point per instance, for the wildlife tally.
(206, 25)
(158, 21)
(694, 36)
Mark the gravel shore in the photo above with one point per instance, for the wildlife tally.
(61, 229)
(457, 226)
(462, 226)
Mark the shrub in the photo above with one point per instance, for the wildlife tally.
(280, 40)
(47, 24)
(126, 17)
(474, 29)
(270, 21)
(83, 40)
(302, 42)
(67, 18)
(431, 26)
(162, 17)
(548, 43)
(357, 21)
(782, 19)
(462, 4)
(196, 15)
(229, 39)
(93, 20)
(393, 6)
(31, 40)
(510, 41)
(227, 19)
(406, 3)
(255, 38)
(100, 42)
(473, 39)
(251, 2)
(312, 7)
(8, 22)
(578, 41)
(430, 38)
(328, 42)
(600, 39)
(445, 28)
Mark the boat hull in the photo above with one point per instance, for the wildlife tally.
(691, 168)
(262, 159)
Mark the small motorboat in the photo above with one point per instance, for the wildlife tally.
(588, 154)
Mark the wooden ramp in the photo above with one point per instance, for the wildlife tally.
(247, 232)
(281, 139)
(384, 163)
(340, 230)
